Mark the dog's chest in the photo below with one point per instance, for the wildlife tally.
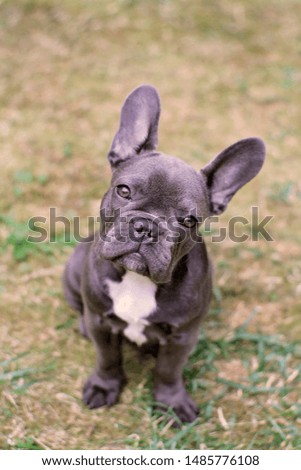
(133, 301)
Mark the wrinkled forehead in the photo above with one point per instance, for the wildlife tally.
(166, 179)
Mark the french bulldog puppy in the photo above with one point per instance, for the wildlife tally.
(146, 275)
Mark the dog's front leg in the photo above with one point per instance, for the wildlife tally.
(169, 388)
(103, 387)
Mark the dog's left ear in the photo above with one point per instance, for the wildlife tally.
(231, 169)
(138, 128)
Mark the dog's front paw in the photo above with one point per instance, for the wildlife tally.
(99, 392)
(178, 399)
(187, 409)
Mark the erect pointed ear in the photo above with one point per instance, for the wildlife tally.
(231, 169)
(138, 128)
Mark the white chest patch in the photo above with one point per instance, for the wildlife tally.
(133, 300)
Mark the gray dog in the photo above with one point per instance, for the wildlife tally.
(146, 275)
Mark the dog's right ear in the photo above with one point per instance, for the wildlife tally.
(138, 130)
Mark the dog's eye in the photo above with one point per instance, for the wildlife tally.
(189, 222)
(123, 191)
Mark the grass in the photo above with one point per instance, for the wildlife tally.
(224, 71)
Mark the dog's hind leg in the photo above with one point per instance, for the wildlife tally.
(72, 281)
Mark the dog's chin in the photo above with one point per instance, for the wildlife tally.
(136, 263)
(133, 262)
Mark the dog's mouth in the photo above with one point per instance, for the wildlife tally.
(133, 262)
(145, 257)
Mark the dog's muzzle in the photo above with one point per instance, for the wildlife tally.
(137, 242)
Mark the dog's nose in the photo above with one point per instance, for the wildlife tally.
(143, 228)
(140, 227)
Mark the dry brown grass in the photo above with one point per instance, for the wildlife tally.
(225, 71)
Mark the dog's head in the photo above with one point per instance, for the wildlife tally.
(151, 213)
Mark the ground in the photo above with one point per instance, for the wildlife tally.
(225, 71)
